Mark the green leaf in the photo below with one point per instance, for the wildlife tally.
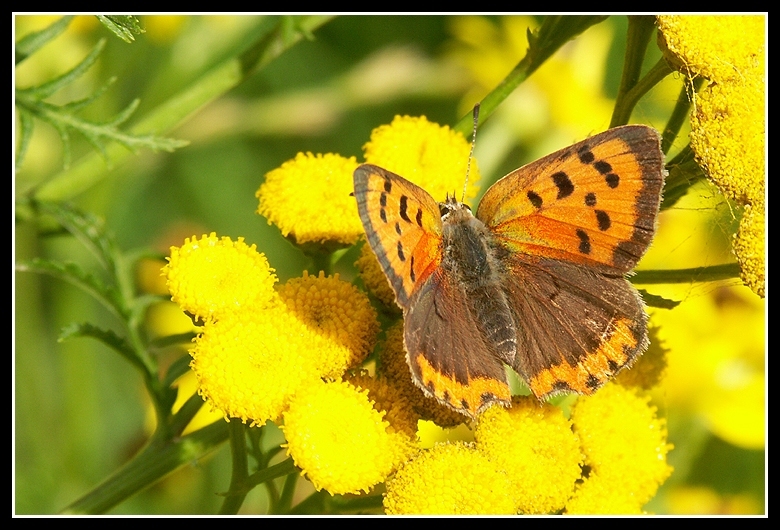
(74, 274)
(27, 123)
(654, 300)
(106, 336)
(126, 27)
(30, 101)
(32, 42)
(88, 229)
(40, 92)
(149, 466)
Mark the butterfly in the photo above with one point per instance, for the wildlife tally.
(534, 280)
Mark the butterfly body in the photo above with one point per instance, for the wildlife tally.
(535, 280)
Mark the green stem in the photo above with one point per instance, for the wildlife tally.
(238, 490)
(269, 41)
(640, 29)
(679, 113)
(624, 109)
(710, 273)
(150, 465)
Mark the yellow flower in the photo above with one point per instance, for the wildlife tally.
(308, 198)
(250, 364)
(536, 447)
(212, 276)
(625, 449)
(647, 372)
(449, 479)
(340, 319)
(728, 125)
(716, 47)
(386, 397)
(339, 440)
(430, 155)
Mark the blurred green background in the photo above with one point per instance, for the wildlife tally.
(80, 411)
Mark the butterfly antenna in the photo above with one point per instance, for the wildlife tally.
(471, 153)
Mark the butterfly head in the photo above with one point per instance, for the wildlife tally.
(452, 207)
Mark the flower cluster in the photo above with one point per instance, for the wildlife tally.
(728, 125)
(293, 354)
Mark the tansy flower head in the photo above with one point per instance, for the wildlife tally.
(536, 447)
(308, 198)
(250, 364)
(728, 125)
(394, 368)
(425, 153)
(625, 449)
(398, 410)
(449, 479)
(339, 440)
(341, 321)
(211, 276)
(649, 369)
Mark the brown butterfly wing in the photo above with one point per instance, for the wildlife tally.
(593, 203)
(403, 226)
(447, 349)
(576, 327)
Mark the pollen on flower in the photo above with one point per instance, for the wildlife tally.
(308, 198)
(449, 479)
(250, 364)
(339, 440)
(750, 248)
(342, 323)
(211, 276)
(536, 447)
(716, 47)
(395, 370)
(399, 413)
(649, 369)
(625, 447)
(728, 125)
(425, 153)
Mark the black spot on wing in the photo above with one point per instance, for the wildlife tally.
(403, 204)
(535, 198)
(603, 220)
(584, 241)
(563, 183)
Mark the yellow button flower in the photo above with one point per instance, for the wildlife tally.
(536, 447)
(728, 125)
(211, 276)
(308, 198)
(340, 319)
(249, 365)
(431, 156)
(450, 479)
(339, 440)
(625, 449)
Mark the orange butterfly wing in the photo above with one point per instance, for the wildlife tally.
(573, 223)
(448, 356)
(403, 226)
(593, 203)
